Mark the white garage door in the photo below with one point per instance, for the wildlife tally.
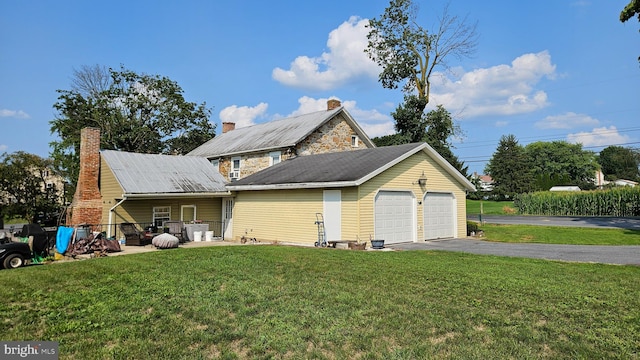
(439, 216)
(394, 216)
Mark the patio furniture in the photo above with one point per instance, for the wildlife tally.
(175, 228)
(132, 235)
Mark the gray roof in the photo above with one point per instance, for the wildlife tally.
(275, 134)
(348, 168)
(140, 174)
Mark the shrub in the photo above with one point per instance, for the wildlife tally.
(472, 227)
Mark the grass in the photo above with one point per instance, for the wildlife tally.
(277, 302)
(559, 235)
(489, 207)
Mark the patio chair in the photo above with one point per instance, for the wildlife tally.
(132, 235)
(175, 228)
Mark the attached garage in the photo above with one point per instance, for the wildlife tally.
(394, 216)
(439, 215)
(376, 193)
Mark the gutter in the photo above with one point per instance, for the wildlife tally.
(333, 184)
(111, 215)
(173, 195)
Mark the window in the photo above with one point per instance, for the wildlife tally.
(49, 186)
(354, 141)
(216, 164)
(161, 214)
(235, 163)
(274, 158)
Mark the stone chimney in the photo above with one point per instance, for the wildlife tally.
(86, 207)
(333, 104)
(228, 126)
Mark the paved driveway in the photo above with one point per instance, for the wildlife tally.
(621, 255)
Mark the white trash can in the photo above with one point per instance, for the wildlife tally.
(208, 235)
(197, 236)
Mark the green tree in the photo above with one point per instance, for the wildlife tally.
(630, 10)
(23, 192)
(510, 169)
(440, 129)
(409, 53)
(618, 162)
(563, 160)
(135, 113)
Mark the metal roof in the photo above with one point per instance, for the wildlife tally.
(275, 134)
(163, 174)
(348, 168)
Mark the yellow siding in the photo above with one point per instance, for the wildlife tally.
(404, 176)
(279, 215)
(110, 190)
(289, 215)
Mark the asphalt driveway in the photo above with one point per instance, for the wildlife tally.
(619, 255)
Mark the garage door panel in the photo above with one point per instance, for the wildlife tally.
(439, 215)
(394, 216)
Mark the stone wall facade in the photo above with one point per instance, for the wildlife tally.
(333, 136)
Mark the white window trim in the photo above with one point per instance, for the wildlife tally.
(233, 159)
(195, 214)
(216, 164)
(154, 212)
(355, 141)
(272, 155)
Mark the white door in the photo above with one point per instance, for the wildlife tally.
(227, 217)
(439, 216)
(332, 213)
(394, 216)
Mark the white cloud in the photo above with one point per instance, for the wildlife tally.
(498, 90)
(373, 122)
(14, 114)
(501, 123)
(3, 147)
(344, 63)
(243, 115)
(599, 137)
(568, 120)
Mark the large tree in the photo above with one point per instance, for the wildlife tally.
(408, 55)
(618, 162)
(23, 192)
(135, 112)
(563, 160)
(440, 130)
(510, 169)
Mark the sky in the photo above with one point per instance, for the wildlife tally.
(542, 70)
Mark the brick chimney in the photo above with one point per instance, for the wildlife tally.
(86, 207)
(333, 104)
(228, 126)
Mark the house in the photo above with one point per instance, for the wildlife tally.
(565, 188)
(327, 167)
(397, 194)
(485, 181)
(600, 182)
(238, 153)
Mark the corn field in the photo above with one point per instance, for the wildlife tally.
(619, 202)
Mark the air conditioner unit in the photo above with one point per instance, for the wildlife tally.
(234, 175)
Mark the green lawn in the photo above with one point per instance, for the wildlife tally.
(488, 207)
(268, 302)
(559, 235)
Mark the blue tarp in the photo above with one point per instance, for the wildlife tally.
(63, 237)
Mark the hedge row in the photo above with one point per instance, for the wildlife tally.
(621, 202)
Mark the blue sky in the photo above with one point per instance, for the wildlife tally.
(545, 70)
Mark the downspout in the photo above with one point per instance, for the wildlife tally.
(111, 215)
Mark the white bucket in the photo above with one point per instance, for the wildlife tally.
(197, 236)
(208, 235)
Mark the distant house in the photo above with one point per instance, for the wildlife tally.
(238, 153)
(273, 181)
(486, 182)
(600, 182)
